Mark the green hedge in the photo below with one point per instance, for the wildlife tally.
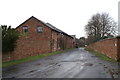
(9, 38)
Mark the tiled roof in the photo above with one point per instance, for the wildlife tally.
(56, 29)
(52, 27)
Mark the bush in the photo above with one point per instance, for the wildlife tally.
(9, 38)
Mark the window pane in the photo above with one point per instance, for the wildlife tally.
(25, 29)
(39, 29)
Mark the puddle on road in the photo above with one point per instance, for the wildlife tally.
(94, 56)
(88, 64)
(78, 60)
(32, 71)
(100, 63)
(48, 58)
(112, 72)
(37, 64)
(13, 77)
(55, 64)
(29, 72)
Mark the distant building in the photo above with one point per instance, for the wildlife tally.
(82, 41)
(38, 37)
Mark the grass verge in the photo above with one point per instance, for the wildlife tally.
(14, 62)
(100, 55)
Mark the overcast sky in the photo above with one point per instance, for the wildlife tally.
(68, 15)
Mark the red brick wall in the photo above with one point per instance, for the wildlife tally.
(32, 43)
(68, 41)
(54, 39)
(108, 47)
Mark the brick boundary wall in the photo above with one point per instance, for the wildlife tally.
(109, 47)
(27, 47)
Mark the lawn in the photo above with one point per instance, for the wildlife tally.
(100, 55)
(14, 62)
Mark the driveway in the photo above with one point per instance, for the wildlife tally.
(77, 63)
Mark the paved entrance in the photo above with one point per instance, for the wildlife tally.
(77, 63)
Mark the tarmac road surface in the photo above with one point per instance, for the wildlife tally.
(77, 63)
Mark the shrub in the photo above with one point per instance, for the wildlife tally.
(9, 38)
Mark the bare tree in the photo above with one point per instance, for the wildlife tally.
(100, 26)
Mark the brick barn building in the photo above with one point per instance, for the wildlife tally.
(38, 37)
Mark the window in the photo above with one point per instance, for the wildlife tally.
(25, 29)
(39, 29)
